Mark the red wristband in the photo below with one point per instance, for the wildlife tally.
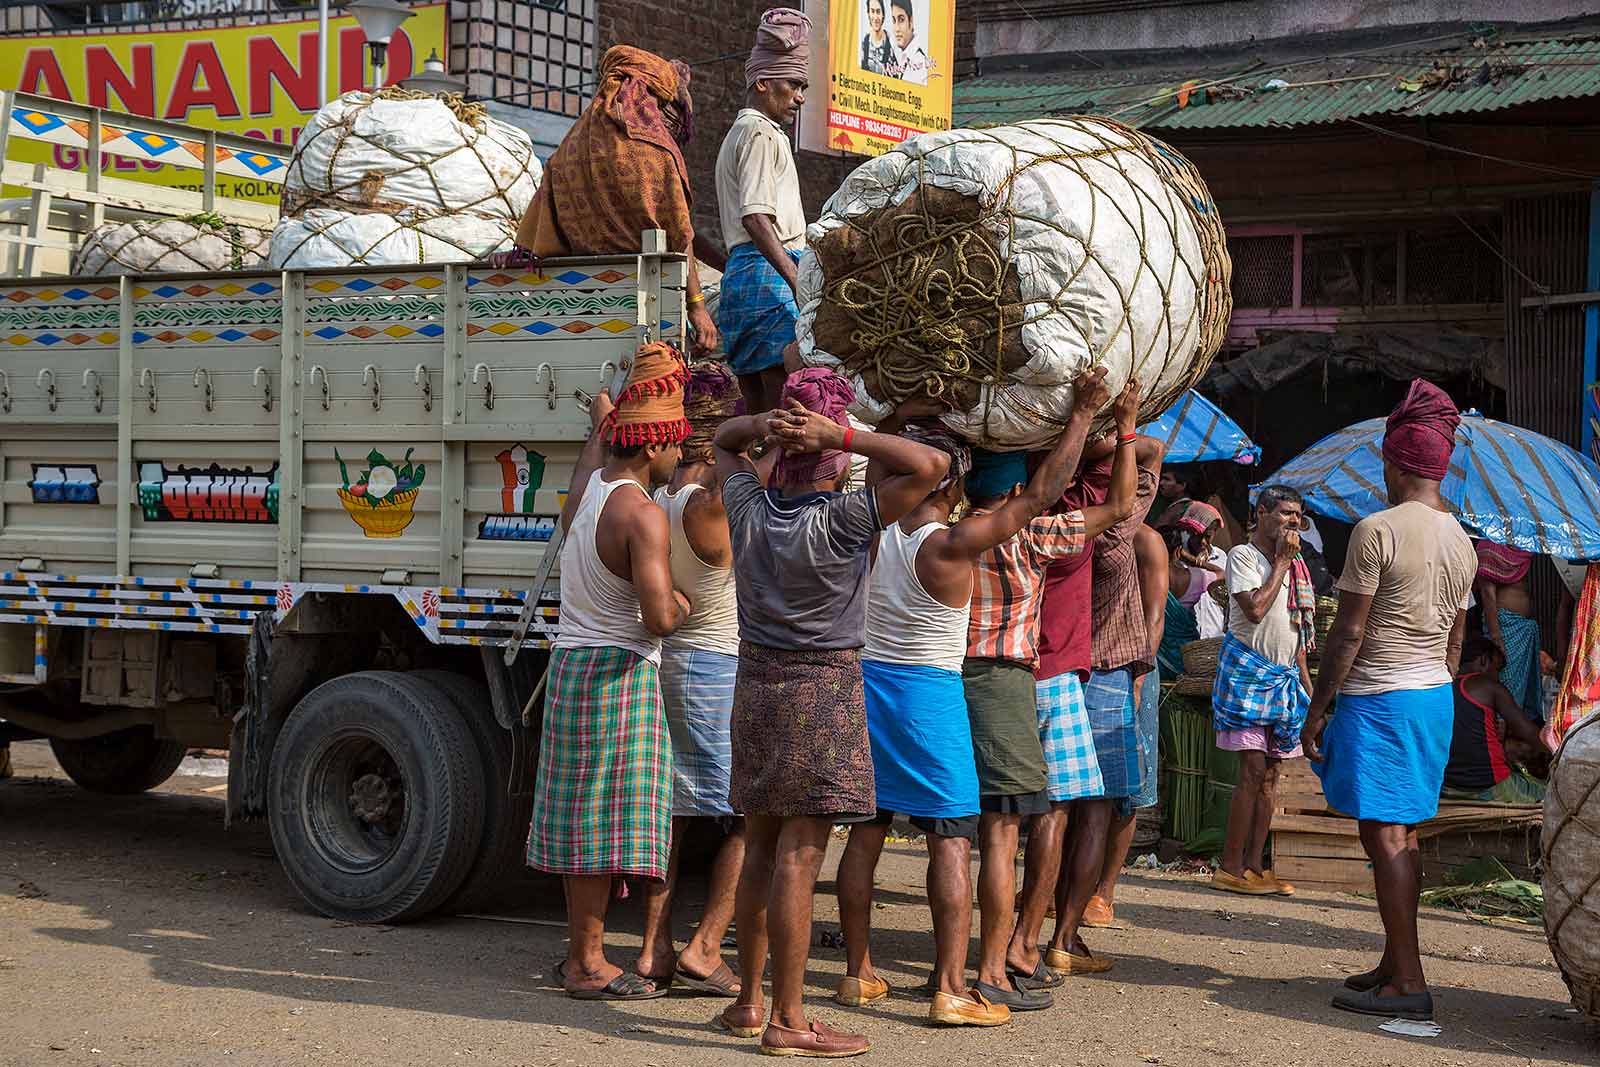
(1127, 438)
(849, 435)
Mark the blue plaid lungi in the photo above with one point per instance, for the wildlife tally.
(756, 313)
(697, 688)
(1109, 698)
(1068, 739)
(1521, 674)
(1251, 690)
(1147, 713)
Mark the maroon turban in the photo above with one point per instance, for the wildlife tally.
(818, 389)
(1421, 432)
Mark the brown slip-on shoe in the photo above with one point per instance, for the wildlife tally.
(1279, 886)
(819, 1041)
(1098, 913)
(1070, 963)
(1221, 879)
(742, 1020)
(974, 1009)
(855, 993)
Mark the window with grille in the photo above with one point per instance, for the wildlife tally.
(1453, 266)
(534, 55)
(1263, 271)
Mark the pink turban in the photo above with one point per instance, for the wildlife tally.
(1421, 432)
(783, 47)
(818, 389)
(1502, 564)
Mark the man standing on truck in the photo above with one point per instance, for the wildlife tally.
(801, 757)
(763, 220)
(602, 805)
(619, 172)
(699, 663)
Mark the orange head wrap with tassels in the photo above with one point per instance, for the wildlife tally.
(649, 409)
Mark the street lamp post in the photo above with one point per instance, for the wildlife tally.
(433, 79)
(378, 20)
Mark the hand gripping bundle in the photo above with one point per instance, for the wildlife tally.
(992, 267)
(403, 177)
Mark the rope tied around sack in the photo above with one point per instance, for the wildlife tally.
(474, 113)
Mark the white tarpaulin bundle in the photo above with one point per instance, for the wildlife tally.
(402, 149)
(170, 246)
(324, 238)
(994, 266)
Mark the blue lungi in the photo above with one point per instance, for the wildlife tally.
(1109, 697)
(1384, 754)
(1068, 739)
(1147, 713)
(1521, 674)
(756, 312)
(921, 740)
(697, 688)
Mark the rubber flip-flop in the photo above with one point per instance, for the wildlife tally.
(1041, 978)
(721, 982)
(625, 986)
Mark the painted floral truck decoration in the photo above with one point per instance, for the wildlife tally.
(382, 497)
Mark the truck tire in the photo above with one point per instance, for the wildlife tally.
(375, 798)
(128, 761)
(505, 818)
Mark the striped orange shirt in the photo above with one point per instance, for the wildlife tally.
(1008, 588)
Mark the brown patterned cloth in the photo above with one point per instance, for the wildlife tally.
(710, 400)
(800, 742)
(1120, 638)
(619, 170)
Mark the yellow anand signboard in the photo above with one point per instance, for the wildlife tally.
(260, 81)
(890, 66)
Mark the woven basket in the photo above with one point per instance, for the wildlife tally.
(1194, 685)
(1200, 657)
(386, 519)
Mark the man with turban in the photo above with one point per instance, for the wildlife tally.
(1502, 590)
(763, 220)
(620, 171)
(1003, 652)
(602, 800)
(801, 757)
(1394, 646)
(699, 663)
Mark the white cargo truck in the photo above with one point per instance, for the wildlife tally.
(299, 515)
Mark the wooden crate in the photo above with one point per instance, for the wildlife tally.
(1318, 848)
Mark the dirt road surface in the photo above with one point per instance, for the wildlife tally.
(138, 931)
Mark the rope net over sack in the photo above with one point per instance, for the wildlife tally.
(325, 238)
(992, 267)
(400, 148)
(199, 244)
(1571, 855)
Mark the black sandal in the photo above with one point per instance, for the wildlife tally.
(625, 986)
(1041, 978)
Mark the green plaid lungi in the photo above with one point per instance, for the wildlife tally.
(603, 800)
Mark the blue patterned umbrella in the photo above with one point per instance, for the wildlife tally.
(1195, 429)
(1505, 483)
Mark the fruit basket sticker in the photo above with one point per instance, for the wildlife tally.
(381, 498)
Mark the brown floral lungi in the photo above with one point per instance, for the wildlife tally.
(800, 743)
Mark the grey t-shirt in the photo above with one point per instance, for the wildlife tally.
(800, 564)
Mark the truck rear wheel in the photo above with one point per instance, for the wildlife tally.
(505, 818)
(128, 761)
(375, 798)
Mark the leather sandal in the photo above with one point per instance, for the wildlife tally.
(742, 1020)
(817, 1041)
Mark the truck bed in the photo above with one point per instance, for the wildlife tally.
(171, 446)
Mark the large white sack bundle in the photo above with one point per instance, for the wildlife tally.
(994, 266)
(322, 237)
(170, 246)
(403, 149)
(1571, 854)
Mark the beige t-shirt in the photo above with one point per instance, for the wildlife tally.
(1275, 637)
(1417, 565)
(756, 175)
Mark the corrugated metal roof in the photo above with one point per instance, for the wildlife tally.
(1434, 82)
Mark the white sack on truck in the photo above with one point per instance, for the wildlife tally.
(325, 238)
(170, 246)
(403, 149)
(994, 266)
